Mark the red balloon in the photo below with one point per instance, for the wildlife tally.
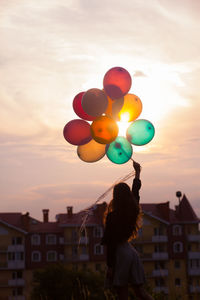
(78, 109)
(117, 82)
(77, 132)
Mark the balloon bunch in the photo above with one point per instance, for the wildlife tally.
(103, 109)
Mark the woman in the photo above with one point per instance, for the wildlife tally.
(122, 223)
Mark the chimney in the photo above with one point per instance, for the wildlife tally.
(69, 210)
(45, 215)
(25, 220)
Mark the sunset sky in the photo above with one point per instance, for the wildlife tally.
(50, 50)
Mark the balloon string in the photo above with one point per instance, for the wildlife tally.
(126, 154)
(91, 208)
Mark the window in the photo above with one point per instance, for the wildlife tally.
(19, 255)
(11, 255)
(61, 257)
(17, 275)
(51, 256)
(61, 240)
(98, 231)
(74, 250)
(51, 239)
(178, 247)
(3, 231)
(177, 282)
(36, 256)
(15, 255)
(177, 230)
(35, 239)
(194, 263)
(158, 231)
(84, 250)
(17, 291)
(74, 235)
(159, 248)
(75, 267)
(17, 240)
(159, 282)
(159, 265)
(98, 249)
(177, 264)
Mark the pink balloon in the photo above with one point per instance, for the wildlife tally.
(78, 109)
(77, 132)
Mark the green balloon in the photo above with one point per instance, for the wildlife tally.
(140, 132)
(119, 151)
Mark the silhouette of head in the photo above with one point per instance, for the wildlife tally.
(121, 196)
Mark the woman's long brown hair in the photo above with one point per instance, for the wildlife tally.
(126, 208)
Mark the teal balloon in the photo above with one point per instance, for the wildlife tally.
(119, 151)
(140, 132)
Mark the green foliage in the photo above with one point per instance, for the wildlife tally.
(56, 282)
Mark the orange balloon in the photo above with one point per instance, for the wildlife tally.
(114, 107)
(131, 109)
(104, 130)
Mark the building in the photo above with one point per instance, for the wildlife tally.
(82, 238)
(168, 242)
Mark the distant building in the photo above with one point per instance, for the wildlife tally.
(168, 242)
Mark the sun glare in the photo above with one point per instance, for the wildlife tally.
(123, 123)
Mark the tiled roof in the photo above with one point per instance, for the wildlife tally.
(93, 216)
(49, 227)
(182, 213)
(12, 218)
(185, 211)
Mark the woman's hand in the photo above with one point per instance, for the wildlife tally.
(137, 169)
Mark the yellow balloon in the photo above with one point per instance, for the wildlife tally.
(132, 108)
(114, 107)
(91, 151)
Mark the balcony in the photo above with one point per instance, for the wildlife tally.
(160, 255)
(84, 257)
(159, 238)
(161, 289)
(194, 289)
(160, 273)
(16, 298)
(16, 248)
(193, 237)
(16, 264)
(194, 255)
(82, 240)
(194, 272)
(16, 282)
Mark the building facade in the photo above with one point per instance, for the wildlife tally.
(168, 243)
